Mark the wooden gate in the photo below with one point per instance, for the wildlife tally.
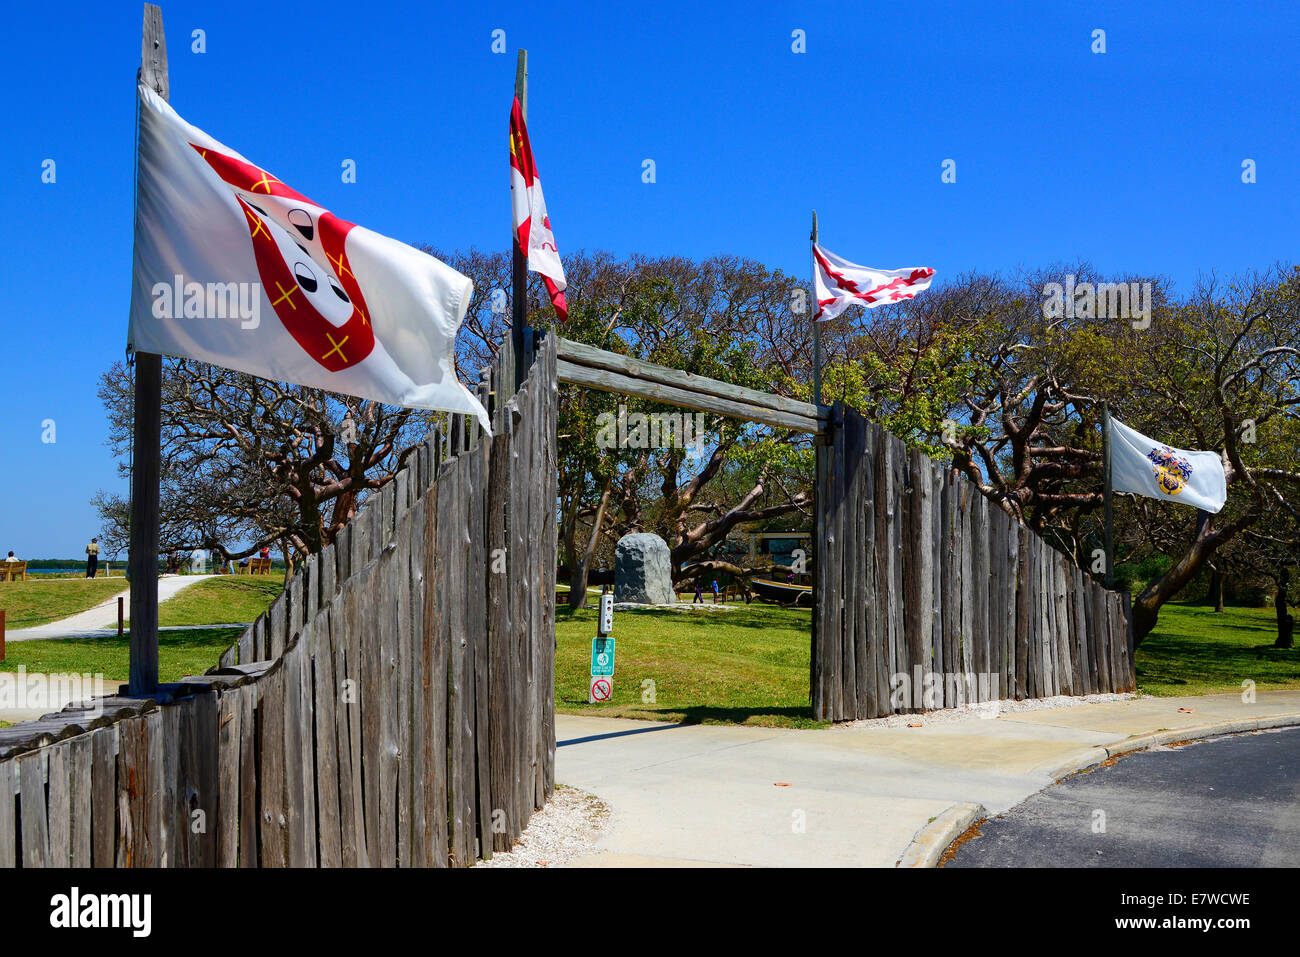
(924, 595)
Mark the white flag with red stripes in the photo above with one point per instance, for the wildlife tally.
(841, 284)
(532, 225)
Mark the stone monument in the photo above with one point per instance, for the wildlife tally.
(643, 570)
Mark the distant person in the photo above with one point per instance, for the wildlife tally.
(265, 552)
(11, 558)
(715, 591)
(92, 558)
(699, 594)
(243, 562)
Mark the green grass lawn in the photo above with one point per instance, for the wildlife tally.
(745, 666)
(224, 600)
(34, 602)
(1194, 650)
(180, 653)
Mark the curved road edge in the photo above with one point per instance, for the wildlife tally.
(931, 841)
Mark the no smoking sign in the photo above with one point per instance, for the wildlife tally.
(602, 689)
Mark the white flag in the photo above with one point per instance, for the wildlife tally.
(840, 284)
(1146, 467)
(234, 268)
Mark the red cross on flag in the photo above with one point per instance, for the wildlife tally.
(235, 268)
(841, 284)
(532, 225)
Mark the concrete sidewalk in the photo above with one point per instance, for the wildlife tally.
(684, 795)
(97, 621)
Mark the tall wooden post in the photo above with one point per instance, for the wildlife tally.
(519, 266)
(147, 440)
(812, 312)
(1108, 517)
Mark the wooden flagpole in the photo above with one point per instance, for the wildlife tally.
(147, 439)
(812, 312)
(1108, 516)
(519, 265)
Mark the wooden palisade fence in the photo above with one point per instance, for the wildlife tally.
(919, 575)
(393, 707)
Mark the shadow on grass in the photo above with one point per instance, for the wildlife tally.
(771, 717)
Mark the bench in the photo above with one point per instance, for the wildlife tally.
(259, 566)
(13, 571)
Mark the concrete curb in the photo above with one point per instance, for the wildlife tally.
(1088, 757)
(929, 843)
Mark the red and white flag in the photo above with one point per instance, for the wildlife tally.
(841, 284)
(532, 225)
(235, 268)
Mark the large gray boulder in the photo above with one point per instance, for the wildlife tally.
(643, 570)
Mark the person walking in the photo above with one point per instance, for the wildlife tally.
(715, 591)
(92, 558)
(699, 594)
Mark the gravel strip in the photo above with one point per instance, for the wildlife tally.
(984, 711)
(565, 829)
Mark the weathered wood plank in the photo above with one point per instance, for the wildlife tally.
(8, 820)
(606, 381)
(372, 710)
(351, 679)
(229, 713)
(80, 759)
(536, 522)
(58, 804)
(385, 701)
(550, 548)
(520, 610)
(325, 711)
(1026, 660)
(103, 797)
(273, 840)
(434, 649)
(249, 810)
(576, 353)
(476, 616)
(498, 637)
(35, 829)
(454, 548)
(417, 676)
(277, 618)
(244, 647)
(175, 773)
(979, 547)
(848, 467)
(401, 669)
(343, 708)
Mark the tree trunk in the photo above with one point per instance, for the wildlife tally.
(1216, 590)
(287, 549)
(578, 573)
(1285, 620)
(1146, 607)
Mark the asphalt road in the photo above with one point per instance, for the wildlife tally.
(1225, 802)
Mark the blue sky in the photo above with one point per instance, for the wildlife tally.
(1130, 159)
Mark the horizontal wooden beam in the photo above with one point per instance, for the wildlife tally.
(607, 381)
(582, 354)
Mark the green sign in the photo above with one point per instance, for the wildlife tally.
(602, 657)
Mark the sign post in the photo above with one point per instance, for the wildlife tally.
(602, 652)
